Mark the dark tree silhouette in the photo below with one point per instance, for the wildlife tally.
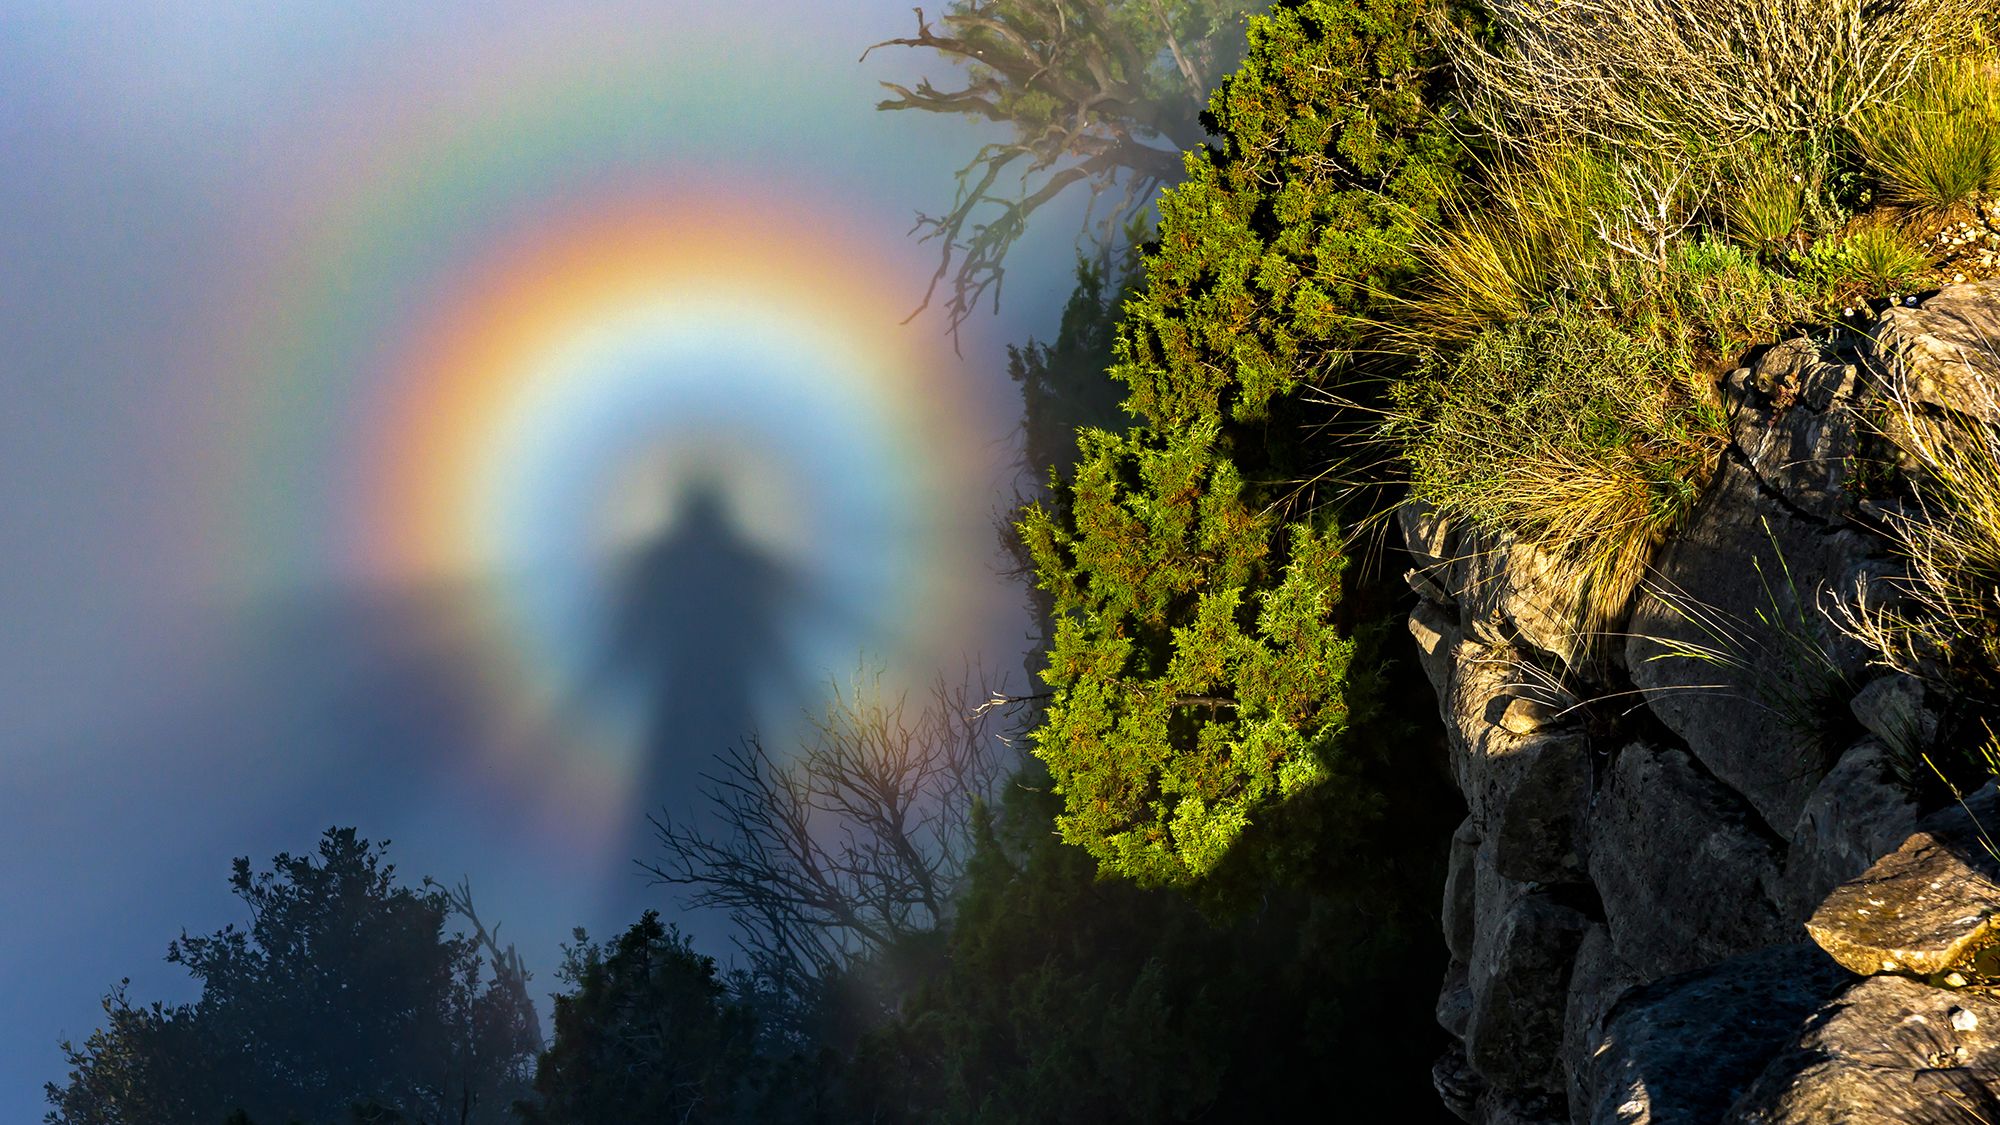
(648, 1032)
(343, 1001)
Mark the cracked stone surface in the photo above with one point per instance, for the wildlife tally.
(1680, 865)
(1503, 591)
(1947, 347)
(1856, 816)
(1765, 716)
(1885, 1051)
(1519, 979)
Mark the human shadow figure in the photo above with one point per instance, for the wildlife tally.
(701, 623)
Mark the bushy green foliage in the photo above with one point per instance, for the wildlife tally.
(343, 1001)
(1870, 260)
(1197, 678)
(1199, 666)
(1288, 233)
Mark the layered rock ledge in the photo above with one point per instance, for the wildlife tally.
(1699, 891)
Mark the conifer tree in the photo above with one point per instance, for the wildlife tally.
(1201, 670)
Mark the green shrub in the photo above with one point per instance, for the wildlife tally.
(1936, 148)
(1872, 259)
(1538, 236)
(1285, 238)
(1198, 672)
(1200, 669)
(1715, 301)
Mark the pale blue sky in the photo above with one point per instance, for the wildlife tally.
(154, 719)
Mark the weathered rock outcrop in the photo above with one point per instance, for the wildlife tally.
(1948, 344)
(1929, 907)
(1649, 832)
(1656, 1060)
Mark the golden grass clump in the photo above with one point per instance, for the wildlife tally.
(1496, 260)
(1764, 209)
(1568, 434)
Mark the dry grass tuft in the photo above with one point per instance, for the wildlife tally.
(1942, 622)
(1701, 75)
(1567, 433)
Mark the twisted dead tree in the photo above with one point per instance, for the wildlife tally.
(1102, 93)
(847, 847)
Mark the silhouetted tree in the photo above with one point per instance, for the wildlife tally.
(344, 1000)
(1066, 997)
(648, 1032)
(1102, 93)
(1066, 384)
(847, 849)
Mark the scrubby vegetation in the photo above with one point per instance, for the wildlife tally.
(1519, 246)
(1493, 258)
(1941, 622)
(1199, 663)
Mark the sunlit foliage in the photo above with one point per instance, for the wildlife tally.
(1200, 667)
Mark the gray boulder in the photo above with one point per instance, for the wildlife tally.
(1684, 868)
(1745, 579)
(1596, 984)
(1461, 898)
(1945, 348)
(1762, 717)
(1886, 1051)
(1504, 591)
(1857, 815)
(1926, 908)
(1520, 987)
(1527, 788)
(1896, 709)
(1680, 1051)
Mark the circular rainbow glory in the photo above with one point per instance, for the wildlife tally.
(540, 410)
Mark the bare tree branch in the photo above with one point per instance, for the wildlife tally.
(852, 845)
(1090, 96)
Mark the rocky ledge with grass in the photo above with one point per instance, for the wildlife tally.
(1700, 879)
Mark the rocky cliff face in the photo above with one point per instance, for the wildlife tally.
(1691, 886)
